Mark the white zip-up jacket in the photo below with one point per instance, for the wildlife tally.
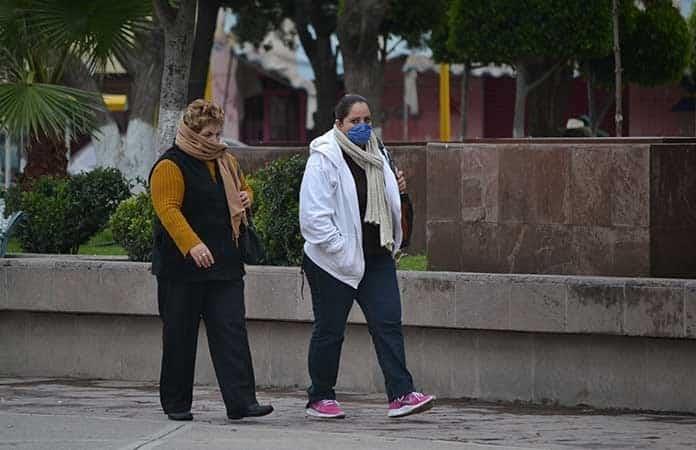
(330, 219)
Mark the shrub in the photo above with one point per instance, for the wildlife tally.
(131, 226)
(97, 194)
(276, 209)
(63, 213)
(13, 200)
(52, 219)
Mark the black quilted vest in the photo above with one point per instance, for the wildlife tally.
(205, 208)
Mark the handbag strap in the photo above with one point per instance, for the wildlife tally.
(387, 155)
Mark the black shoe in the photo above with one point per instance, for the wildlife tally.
(186, 415)
(253, 410)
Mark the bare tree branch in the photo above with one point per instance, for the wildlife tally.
(618, 116)
(603, 113)
(543, 77)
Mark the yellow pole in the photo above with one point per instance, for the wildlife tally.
(445, 125)
(208, 93)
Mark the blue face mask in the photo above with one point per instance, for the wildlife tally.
(360, 133)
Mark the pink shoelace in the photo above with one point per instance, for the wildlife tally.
(328, 403)
(414, 395)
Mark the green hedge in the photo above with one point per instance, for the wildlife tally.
(64, 213)
(276, 209)
(131, 225)
(51, 220)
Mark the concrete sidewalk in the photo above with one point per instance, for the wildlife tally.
(76, 414)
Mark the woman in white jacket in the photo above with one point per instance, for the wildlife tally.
(350, 217)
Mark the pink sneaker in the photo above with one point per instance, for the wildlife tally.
(326, 409)
(412, 403)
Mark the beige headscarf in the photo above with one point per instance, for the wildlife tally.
(193, 144)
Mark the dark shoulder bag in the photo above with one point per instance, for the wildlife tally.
(250, 245)
(406, 204)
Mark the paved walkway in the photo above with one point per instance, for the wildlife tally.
(75, 415)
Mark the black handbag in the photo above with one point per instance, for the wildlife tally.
(406, 204)
(250, 245)
(406, 220)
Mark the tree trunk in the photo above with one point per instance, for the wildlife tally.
(145, 68)
(107, 138)
(206, 22)
(591, 103)
(547, 104)
(358, 27)
(596, 114)
(44, 157)
(178, 25)
(526, 80)
(326, 81)
(521, 89)
(321, 57)
(464, 102)
(618, 118)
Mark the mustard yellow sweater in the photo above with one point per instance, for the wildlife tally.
(167, 192)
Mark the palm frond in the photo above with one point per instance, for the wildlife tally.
(36, 109)
(95, 30)
(22, 41)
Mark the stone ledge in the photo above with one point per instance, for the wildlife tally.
(530, 303)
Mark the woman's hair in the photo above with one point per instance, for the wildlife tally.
(344, 105)
(201, 113)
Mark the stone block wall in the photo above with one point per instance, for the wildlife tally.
(606, 342)
(673, 210)
(562, 207)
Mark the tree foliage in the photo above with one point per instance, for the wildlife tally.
(438, 37)
(656, 44)
(539, 38)
(413, 20)
(510, 32)
(255, 19)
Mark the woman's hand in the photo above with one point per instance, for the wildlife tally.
(201, 256)
(244, 197)
(401, 180)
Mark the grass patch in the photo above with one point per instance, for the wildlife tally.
(101, 244)
(413, 262)
(13, 246)
(102, 250)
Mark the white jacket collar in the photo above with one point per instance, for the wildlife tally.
(327, 145)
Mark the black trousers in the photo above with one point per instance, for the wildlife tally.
(221, 306)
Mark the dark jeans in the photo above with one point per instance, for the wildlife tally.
(221, 305)
(379, 299)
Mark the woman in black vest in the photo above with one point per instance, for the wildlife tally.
(200, 198)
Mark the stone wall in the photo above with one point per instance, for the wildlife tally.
(605, 342)
(673, 210)
(409, 158)
(616, 208)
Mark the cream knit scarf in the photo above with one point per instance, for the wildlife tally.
(370, 160)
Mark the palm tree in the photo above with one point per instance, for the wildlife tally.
(38, 40)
